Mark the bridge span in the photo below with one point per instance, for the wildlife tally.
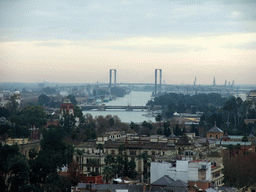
(105, 107)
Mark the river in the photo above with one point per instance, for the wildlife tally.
(135, 98)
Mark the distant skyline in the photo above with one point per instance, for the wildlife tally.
(78, 41)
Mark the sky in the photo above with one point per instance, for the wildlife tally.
(79, 41)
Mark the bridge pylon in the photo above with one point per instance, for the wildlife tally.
(160, 81)
(110, 78)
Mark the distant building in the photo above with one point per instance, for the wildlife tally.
(190, 172)
(251, 96)
(214, 132)
(67, 107)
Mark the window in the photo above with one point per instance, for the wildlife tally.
(113, 152)
(92, 150)
(216, 136)
(88, 169)
(153, 152)
(132, 152)
(210, 136)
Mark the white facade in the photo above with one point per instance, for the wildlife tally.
(184, 170)
(199, 171)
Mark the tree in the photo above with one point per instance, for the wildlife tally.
(108, 172)
(245, 139)
(72, 98)
(80, 154)
(240, 171)
(43, 100)
(167, 130)
(230, 147)
(100, 148)
(4, 112)
(194, 129)
(74, 173)
(14, 168)
(32, 116)
(94, 163)
(68, 122)
(13, 105)
(109, 159)
(145, 157)
(159, 119)
(177, 130)
(111, 121)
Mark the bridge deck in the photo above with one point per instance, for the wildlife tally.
(102, 107)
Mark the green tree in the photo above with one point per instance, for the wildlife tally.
(31, 116)
(167, 131)
(230, 147)
(108, 172)
(100, 148)
(13, 105)
(43, 100)
(13, 167)
(245, 140)
(72, 98)
(4, 112)
(111, 121)
(68, 122)
(145, 157)
(94, 163)
(80, 154)
(240, 171)
(159, 119)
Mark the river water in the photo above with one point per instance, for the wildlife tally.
(135, 98)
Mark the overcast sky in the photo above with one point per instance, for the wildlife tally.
(80, 40)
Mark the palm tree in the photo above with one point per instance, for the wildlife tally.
(230, 147)
(145, 158)
(94, 163)
(108, 172)
(109, 159)
(244, 139)
(237, 147)
(100, 148)
(80, 153)
(121, 148)
(159, 119)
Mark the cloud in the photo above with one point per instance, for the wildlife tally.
(77, 20)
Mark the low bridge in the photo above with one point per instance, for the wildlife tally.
(105, 107)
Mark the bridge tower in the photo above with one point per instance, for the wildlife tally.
(110, 77)
(160, 80)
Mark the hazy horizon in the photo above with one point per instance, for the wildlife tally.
(75, 41)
